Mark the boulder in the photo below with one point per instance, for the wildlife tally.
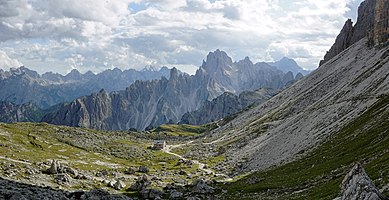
(141, 184)
(174, 194)
(357, 185)
(143, 169)
(130, 171)
(54, 167)
(70, 171)
(31, 171)
(151, 194)
(119, 185)
(199, 186)
(111, 183)
(62, 178)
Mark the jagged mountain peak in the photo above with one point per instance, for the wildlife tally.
(150, 103)
(22, 71)
(217, 60)
(174, 73)
(246, 61)
(74, 74)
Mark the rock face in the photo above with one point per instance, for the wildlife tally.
(372, 22)
(225, 105)
(28, 112)
(147, 104)
(342, 42)
(351, 34)
(22, 85)
(357, 185)
(381, 20)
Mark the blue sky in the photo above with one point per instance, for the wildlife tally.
(100, 34)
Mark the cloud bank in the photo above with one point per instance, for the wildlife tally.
(60, 35)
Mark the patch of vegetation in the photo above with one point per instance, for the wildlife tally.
(88, 151)
(183, 130)
(319, 174)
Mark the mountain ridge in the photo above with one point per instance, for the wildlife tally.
(148, 104)
(22, 85)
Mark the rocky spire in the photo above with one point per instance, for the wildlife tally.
(366, 26)
(342, 42)
(216, 61)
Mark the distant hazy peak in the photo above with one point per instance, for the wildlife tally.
(289, 65)
(151, 68)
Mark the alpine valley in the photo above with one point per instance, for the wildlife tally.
(233, 130)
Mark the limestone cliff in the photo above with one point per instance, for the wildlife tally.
(372, 22)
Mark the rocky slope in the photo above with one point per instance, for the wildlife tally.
(311, 110)
(318, 173)
(225, 105)
(147, 104)
(22, 85)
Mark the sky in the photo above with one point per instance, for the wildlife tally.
(61, 35)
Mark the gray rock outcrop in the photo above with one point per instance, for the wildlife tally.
(357, 185)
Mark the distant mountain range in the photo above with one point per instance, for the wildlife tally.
(23, 85)
(147, 104)
(121, 100)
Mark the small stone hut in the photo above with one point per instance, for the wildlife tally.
(159, 144)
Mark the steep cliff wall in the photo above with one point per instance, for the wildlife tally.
(373, 22)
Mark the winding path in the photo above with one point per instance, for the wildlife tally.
(168, 149)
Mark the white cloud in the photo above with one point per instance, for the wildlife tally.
(99, 34)
(6, 62)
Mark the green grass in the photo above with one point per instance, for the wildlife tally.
(319, 174)
(183, 130)
(89, 151)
